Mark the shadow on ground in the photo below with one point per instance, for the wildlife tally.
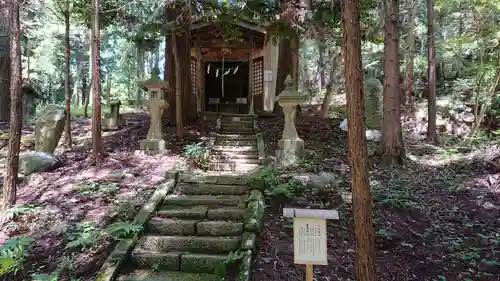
(77, 193)
(434, 220)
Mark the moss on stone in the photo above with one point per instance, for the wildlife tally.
(201, 263)
(219, 228)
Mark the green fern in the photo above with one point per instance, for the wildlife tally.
(121, 230)
(20, 210)
(13, 253)
(45, 277)
(83, 235)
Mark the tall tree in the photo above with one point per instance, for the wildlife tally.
(10, 10)
(178, 87)
(392, 146)
(411, 7)
(97, 149)
(67, 90)
(432, 135)
(4, 65)
(358, 155)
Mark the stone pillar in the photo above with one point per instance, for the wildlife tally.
(49, 128)
(154, 139)
(290, 143)
(113, 120)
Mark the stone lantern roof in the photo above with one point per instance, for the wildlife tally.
(290, 93)
(154, 82)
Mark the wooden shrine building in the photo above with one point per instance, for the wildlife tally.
(226, 75)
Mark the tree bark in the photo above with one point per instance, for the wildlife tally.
(140, 71)
(67, 90)
(178, 88)
(321, 65)
(10, 10)
(392, 145)
(358, 155)
(432, 135)
(411, 7)
(4, 67)
(97, 149)
(330, 88)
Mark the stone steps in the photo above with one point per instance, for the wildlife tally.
(212, 189)
(202, 212)
(231, 155)
(221, 166)
(148, 275)
(199, 225)
(193, 232)
(235, 142)
(210, 200)
(177, 261)
(235, 161)
(176, 226)
(239, 149)
(191, 244)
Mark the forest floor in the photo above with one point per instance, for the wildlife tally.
(66, 211)
(435, 219)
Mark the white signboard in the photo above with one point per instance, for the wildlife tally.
(268, 75)
(309, 241)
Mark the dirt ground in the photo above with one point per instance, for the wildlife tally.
(64, 198)
(437, 219)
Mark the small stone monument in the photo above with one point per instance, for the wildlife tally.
(373, 94)
(113, 120)
(290, 143)
(155, 104)
(49, 128)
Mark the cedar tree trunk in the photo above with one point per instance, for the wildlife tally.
(358, 155)
(392, 145)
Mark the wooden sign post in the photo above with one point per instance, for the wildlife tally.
(309, 236)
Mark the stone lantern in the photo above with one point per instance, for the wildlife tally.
(156, 104)
(113, 120)
(290, 143)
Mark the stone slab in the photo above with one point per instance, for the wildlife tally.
(212, 189)
(229, 213)
(163, 261)
(184, 212)
(148, 275)
(194, 244)
(201, 263)
(190, 200)
(219, 228)
(163, 226)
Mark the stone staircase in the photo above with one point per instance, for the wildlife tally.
(236, 144)
(203, 228)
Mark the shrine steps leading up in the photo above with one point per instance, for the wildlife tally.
(236, 144)
(192, 235)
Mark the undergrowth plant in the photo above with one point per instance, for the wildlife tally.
(199, 153)
(13, 254)
(276, 187)
(234, 257)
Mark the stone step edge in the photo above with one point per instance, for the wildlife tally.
(142, 275)
(110, 269)
(194, 227)
(178, 261)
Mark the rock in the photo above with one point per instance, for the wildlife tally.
(316, 182)
(371, 135)
(34, 162)
(49, 128)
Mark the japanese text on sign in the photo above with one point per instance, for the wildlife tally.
(309, 235)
